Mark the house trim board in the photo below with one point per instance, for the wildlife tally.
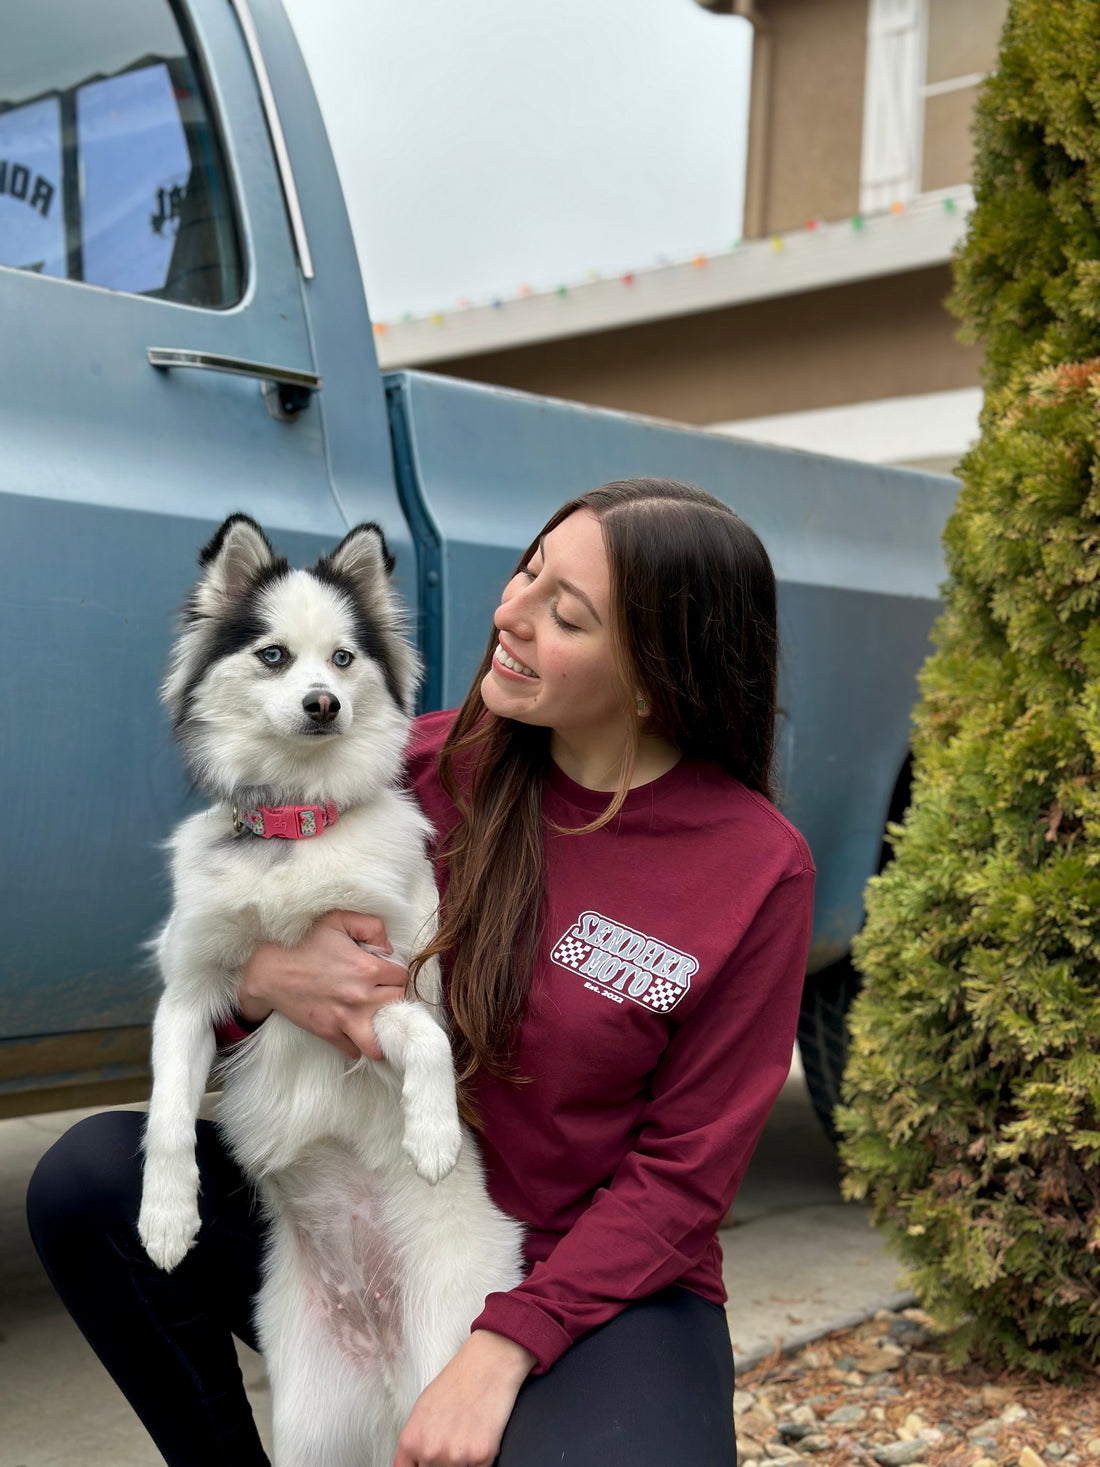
(824, 254)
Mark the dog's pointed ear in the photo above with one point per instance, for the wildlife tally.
(362, 565)
(232, 562)
(363, 557)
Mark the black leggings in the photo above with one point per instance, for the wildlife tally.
(651, 1388)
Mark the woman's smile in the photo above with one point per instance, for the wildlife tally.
(510, 666)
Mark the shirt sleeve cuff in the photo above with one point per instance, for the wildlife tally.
(516, 1319)
(232, 1030)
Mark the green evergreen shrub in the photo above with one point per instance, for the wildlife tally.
(973, 1086)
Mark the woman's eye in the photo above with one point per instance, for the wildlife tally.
(272, 655)
(341, 658)
(559, 621)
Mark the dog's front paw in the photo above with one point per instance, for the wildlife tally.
(432, 1145)
(168, 1222)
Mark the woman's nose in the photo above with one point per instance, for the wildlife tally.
(512, 616)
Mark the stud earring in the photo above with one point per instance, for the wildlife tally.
(641, 705)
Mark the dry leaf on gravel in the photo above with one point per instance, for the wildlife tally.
(884, 1394)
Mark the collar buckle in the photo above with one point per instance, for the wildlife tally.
(285, 822)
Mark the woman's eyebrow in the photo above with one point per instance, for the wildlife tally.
(569, 586)
(579, 594)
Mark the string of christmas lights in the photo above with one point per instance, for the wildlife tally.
(856, 223)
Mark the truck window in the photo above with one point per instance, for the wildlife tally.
(111, 171)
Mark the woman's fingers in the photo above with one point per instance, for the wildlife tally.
(329, 984)
(363, 1041)
(458, 1420)
(360, 927)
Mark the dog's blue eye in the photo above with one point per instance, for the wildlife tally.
(271, 655)
(342, 658)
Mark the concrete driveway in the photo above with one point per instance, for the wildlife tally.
(799, 1261)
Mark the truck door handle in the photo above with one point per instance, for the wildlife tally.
(286, 390)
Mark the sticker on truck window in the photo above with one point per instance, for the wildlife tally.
(32, 219)
(133, 156)
(110, 168)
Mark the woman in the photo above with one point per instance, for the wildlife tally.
(624, 930)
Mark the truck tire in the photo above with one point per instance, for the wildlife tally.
(827, 996)
(823, 1036)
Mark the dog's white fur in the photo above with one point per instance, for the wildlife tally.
(383, 1242)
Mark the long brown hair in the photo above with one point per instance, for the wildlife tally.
(694, 631)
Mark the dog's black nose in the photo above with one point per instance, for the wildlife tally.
(321, 707)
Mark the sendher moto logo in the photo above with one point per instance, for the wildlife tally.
(620, 962)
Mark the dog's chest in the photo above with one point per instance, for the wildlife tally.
(276, 889)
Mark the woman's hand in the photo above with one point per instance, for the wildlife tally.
(459, 1419)
(327, 984)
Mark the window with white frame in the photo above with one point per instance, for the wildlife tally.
(892, 103)
(925, 61)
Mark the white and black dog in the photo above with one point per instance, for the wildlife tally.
(290, 693)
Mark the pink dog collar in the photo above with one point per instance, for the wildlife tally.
(286, 822)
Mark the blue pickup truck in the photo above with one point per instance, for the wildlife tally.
(184, 333)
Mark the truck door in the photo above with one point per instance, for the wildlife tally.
(140, 212)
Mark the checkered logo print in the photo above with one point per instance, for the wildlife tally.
(660, 995)
(570, 953)
(622, 963)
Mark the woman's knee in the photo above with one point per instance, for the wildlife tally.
(651, 1388)
(88, 1182)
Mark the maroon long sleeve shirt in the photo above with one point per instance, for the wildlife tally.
(659, 1032)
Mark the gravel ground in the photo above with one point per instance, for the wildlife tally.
(884, 1394)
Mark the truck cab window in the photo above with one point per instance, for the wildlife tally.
(111, 171)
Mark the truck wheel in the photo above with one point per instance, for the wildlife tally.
(827, 996)
(823, 1036)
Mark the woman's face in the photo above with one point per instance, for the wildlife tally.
(554, 666)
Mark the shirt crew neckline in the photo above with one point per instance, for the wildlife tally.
(642, 797)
